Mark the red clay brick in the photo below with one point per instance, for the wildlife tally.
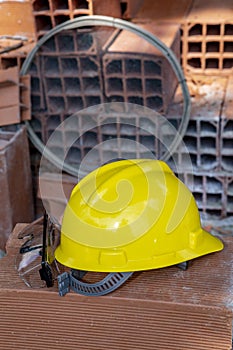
(107, 8)
(148, 80)
(207, 38)
(48, 14)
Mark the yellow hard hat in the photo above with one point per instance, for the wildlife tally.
(132, 215)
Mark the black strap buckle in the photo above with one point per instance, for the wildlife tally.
(45, 271)
(46, 274)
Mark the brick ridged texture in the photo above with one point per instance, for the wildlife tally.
(207, 40)
(161, 309)
(76, 70)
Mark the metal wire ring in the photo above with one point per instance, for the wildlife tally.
(120, 24)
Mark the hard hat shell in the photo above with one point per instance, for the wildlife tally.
(132, 215)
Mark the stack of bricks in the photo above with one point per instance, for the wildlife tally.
(17, 36)
(142, 77)
(208, 142)
(29, 20)
(207, 59)
(207, 56)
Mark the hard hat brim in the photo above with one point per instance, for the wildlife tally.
(206, 244)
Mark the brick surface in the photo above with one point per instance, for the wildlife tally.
(16, 19)
(166, 11)
(107, 8)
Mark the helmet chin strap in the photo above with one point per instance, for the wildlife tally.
(70, 281)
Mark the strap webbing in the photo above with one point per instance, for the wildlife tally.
(112, 281)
